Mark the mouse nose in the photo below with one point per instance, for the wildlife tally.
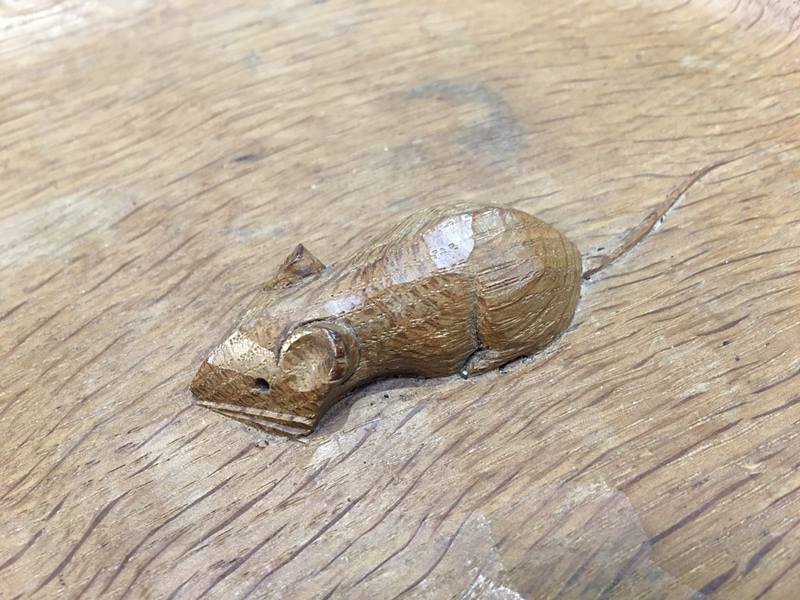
(208, 382)
(221, 384)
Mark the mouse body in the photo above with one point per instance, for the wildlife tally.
(450, 289)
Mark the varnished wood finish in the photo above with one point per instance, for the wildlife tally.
(159, 160)
(449, 289)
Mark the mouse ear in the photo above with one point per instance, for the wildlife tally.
(297, 266)
(318, 354)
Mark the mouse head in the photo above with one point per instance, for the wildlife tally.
(275, 373)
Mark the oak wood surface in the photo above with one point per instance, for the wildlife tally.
(159, 160)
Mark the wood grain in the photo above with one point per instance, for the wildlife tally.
(159, 160)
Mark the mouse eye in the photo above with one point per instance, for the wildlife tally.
(261, 386)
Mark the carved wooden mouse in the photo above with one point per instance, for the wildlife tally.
(449, 289)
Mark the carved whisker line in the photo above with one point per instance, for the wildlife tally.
(275, 423)
(258, 412)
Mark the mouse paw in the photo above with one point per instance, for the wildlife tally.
(483, 360)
